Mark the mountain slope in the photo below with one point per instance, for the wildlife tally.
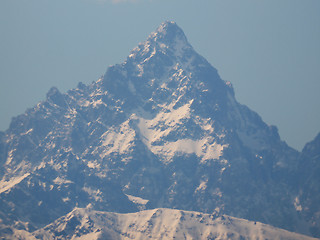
(158, 224)
(307, 202)
(161, 126)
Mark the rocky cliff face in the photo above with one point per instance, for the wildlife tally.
(308, 176)
(163, 128)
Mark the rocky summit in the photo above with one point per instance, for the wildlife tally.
(160, 130)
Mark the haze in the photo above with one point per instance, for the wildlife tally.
(268, 49)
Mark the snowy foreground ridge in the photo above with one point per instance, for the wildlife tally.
(156, 224)
(159, 131)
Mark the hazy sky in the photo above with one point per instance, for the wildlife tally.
(268, 49)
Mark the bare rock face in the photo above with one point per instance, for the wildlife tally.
(161, 129)
(308, 199)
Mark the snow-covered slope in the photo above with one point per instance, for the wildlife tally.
(161, 129)
(159, 224)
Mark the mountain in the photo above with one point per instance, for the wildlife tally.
(155, 224)
(160, 130)
(309, 185)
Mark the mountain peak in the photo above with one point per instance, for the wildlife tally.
(168, 27)
(161, 129)
(168, 33)
(169, 45)
(166, 57)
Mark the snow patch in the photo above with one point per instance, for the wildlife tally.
(118, 140)
(10, 157)
(93, 102)
(167, 121)
(140, 69)
(27, 132)
(94, 193)
(93, 165)
(297, 204)
(66, 199)
(202, 186)
(204, 148)
(6, 185)
(137, 200)
(60, 181)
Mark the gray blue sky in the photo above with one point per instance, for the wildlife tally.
(268, 49)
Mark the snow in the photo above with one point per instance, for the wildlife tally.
(66, 199)
(137, 200)
(163, 46)
(40, 166)
(118, 140)
(60, 181)
(167, 133)
(93, 102)
(154, 130)
(151, 55)
(202, 186)
(6, 185)
(22, 234)
(10, 157)
(150, 129)
(140, 69)
(93, 165)
(89, 236)
(163, 224)
(297, 204)
(94, 193)
(204, 148)
(146, 48)
(27, 132)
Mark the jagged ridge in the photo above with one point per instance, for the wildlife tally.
(162, 126)
(156, 224)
